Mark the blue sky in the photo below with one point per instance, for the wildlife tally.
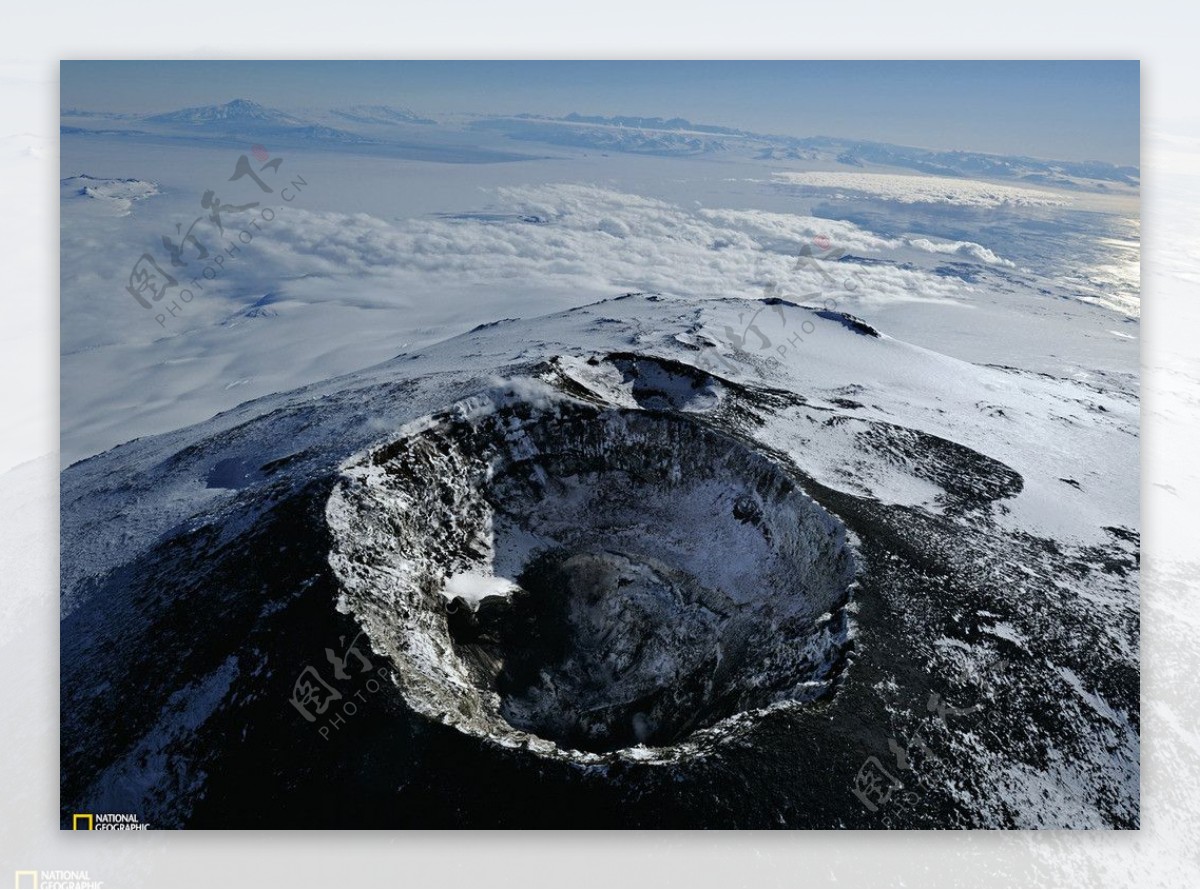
(1068, 110)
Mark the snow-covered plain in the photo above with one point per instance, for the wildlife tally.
(950, 367)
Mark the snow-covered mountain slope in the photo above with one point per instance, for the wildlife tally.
(879, 585)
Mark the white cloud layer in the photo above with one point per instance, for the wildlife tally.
(585, 238)
(842, 236)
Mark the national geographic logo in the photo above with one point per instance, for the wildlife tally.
(56, 879)
(107, 822)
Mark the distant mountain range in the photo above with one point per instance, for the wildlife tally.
(239, 111)
(858, 153)
(677, 136)
(244, 111)
(370, 124)
(631, 135)
(644, 123)
(380, 114)
(243, 117)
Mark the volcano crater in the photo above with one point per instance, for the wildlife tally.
(582, 580)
